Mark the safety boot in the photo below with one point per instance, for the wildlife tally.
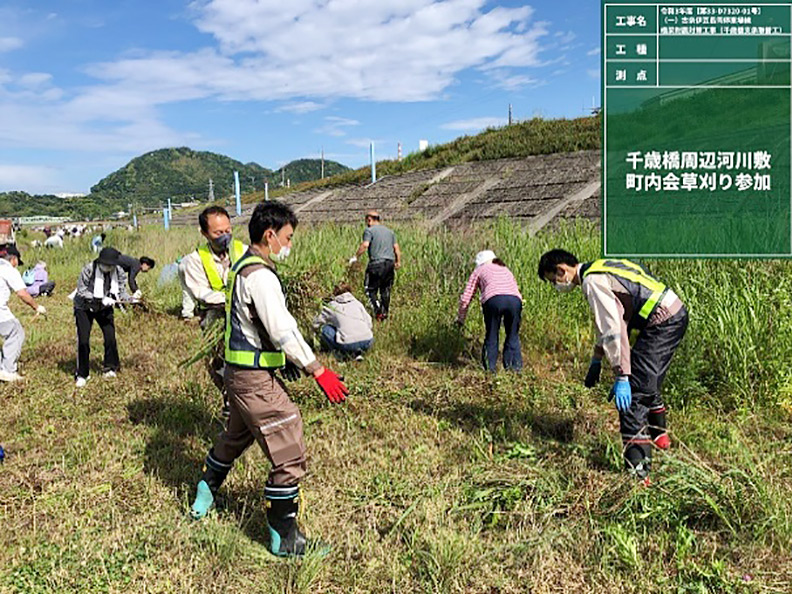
(214, 474)
(286, 538)
(662, 441)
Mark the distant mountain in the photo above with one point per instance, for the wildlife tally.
(181, 174)
(22, 204)
(178, 173)
(303, 170)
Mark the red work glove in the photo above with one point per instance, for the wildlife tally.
(332, 386)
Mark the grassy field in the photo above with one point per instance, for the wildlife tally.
(434, 477)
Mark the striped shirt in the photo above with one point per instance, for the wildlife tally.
(491, 279)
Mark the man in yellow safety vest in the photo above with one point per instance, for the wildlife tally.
(262, 337)
(205, 277)
(623, 296)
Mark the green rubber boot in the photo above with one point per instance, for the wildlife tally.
(214, 474)
(204, 501)
(286, 538)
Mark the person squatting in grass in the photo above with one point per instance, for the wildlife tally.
(39, 283)
(10, 328)
(623, 296)
(384, 258)
(500, 301)
(205, 274)
(262, 337)
(344, 325)
(102, 283)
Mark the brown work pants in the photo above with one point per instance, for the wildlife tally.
(262, 411)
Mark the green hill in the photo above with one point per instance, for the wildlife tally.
(181, 174)
(178, 173)
(306, 170)
(22, 204)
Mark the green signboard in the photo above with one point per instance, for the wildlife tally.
(697, 118)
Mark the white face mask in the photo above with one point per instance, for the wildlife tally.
(282, 254)
(565, 287)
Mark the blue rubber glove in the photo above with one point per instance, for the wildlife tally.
(623, 393)
(593, 375)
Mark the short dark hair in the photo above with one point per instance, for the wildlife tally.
(148, 261)
(203, 218)
(341, 288)
(270, 215)
(550, 261)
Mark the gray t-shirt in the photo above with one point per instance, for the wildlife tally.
(381, 240)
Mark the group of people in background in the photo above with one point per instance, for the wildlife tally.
(235, 286)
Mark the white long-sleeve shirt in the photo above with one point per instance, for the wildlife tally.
(198, 283)
(262, 289)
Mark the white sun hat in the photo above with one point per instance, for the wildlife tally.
(484, 257)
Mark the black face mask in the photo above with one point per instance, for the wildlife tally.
(221, 243)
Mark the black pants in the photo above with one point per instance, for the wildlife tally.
(646, 418)
(85, 318)
(46, 288)
(378, 283)
(506, 308)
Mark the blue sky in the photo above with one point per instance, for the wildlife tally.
(86, 85)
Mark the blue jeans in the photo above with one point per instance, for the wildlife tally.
(328, 337)
(506, 308)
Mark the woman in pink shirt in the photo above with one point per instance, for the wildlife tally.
(500, 300)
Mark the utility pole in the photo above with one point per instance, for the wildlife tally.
(373, 165)
(237, 193)
(266, 191)
(283, 177)
(211, 197)
(322, 162)
(510, 114)
(253, 182)
(399, 152)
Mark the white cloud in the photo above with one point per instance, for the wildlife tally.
(302, 107)
(564, 38)
(513, 82)
(336, 126)
(33, 80)
(8, 44)
(390, 50)
(474, 124)
(305, 53)
(18, 177)
(594, 52)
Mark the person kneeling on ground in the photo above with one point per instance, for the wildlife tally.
(41, 284)
(500, 300)
(344, 324)
(10, 329)
(623, 296)
(101, 285)
(262, 337)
